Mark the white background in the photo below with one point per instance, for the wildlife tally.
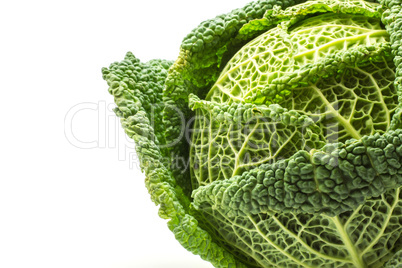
(62, 205)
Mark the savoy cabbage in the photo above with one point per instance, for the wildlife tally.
(288, 114)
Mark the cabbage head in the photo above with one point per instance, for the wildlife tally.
(275, 138)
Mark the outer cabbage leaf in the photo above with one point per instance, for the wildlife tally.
(365, 237)
(293, 14)
(396, 261)
(137, 88)
(337, 178)
(230, 139)
(335, 68)
(392, 19)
